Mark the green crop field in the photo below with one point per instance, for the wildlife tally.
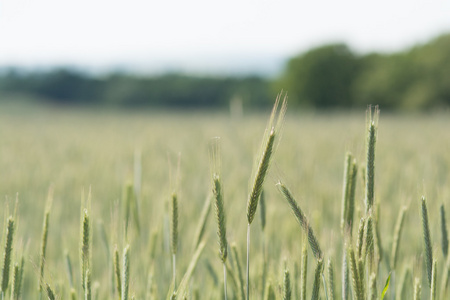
(106, 181)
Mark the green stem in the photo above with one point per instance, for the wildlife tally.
(263, 241)
(225, 280)
(248, 261)
(325, 286)
(174, 269)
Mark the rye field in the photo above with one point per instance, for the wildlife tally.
(152, 205)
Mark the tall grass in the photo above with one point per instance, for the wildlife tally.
(262, 165)
(174, 236)
(150, 270)
(301, 219)
(427, 240)
(44, 240)
(371, 129)
(217, 191)
(7, 256)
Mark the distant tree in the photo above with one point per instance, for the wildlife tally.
(382, 80)
(67, 86)
(59, 85)
(175, 90)
(331, 76)
(433, 62)
(418, 78)
(321, 77)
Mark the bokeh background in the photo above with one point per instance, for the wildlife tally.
(178, 54)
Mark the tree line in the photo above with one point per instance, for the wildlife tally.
(330, 76)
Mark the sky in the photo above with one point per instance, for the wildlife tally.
(205, 35)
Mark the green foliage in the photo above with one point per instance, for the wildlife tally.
(413, 79)
(333, 76)
(69, 86)
(321, 77)
(329, 76)
(386, 286)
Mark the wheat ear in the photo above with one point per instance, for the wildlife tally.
(362, 280)
(272, 130)
(287, 291)
(220, 218)
(43, 249)
(217, 191)
(360, 239)
(15, 281)
(88, 289)
(50, 293)
(354, 274)
(7, 255)
(221, 228)
(316, 283)
(427, 239)
(44, 237)
(330, 273)
(116, 264)
(303, 271)
(372, 128)
(417, 289)
(345, 276)
(126, 273)
(301, 219)
(262, 165)
(174, 236)
(85, 247)
(444, 234)
(368, 253)
(348, 193)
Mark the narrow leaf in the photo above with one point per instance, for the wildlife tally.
(386, 286)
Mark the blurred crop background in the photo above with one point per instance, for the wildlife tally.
(199, 54)
(87, 88)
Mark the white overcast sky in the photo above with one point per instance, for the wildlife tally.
(205, 33)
